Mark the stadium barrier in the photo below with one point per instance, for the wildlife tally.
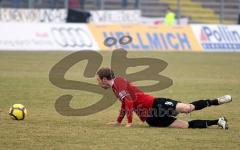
(39, 36)
(73, 37)
(218, 37)
(33, 15)
(115, 16)
(146, 37)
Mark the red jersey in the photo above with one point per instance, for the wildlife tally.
(132, 99)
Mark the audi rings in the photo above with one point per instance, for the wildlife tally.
(71, 37)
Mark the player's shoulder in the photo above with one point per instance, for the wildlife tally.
(120, 81)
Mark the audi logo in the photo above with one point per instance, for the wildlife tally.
(71, 37)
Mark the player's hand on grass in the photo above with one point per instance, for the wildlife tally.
(128, 125)
(114, 123)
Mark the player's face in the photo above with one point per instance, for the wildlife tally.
(103, 83)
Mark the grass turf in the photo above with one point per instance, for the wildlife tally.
(24, 79)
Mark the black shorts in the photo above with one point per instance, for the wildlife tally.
(163, 112)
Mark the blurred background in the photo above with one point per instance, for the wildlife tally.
(193, 11)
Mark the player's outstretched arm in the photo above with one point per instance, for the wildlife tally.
(128, 125)
(120, 117)
(129, 109)
(114, 123)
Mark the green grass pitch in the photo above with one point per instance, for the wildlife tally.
(24, 79)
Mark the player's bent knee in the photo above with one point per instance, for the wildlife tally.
(184, 108)
(179, 124)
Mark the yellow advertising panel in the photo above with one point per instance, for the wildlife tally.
(147, 37)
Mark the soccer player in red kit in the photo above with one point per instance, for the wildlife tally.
(157, 112)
